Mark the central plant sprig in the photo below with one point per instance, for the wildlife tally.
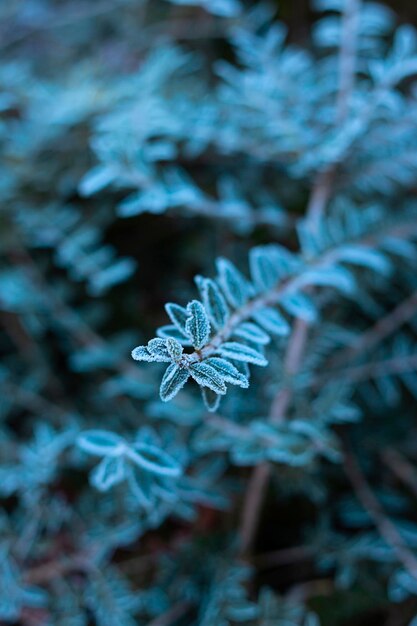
(235, 318)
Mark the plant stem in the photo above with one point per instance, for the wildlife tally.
(47, 572)
(395, 366)
(285, 556)
(291, 285)
(347, 57)
(401, 467)
(318, 200)
(379, 331)
(386, 528)
(252, 505)
(322, 188)
(293, 357)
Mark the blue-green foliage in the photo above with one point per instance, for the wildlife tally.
(277, 278)
(144, 143)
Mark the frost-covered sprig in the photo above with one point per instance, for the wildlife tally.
(142, 464)
(231, 324)
(228, 328)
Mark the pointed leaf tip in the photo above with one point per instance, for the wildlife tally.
(197, 324)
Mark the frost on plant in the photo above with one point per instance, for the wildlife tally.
(253, 168)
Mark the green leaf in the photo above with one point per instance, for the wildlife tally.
(235, 286)
(264, 267)
(299, 305)
(272, 321)
(155, 351)
(240, 352)
(211, 399)
(141, 353)
(197, 324)
(109, 472)
(338, 277)
(178, 316)
(213, 301)
(140, 485)
(174, 349)
(173, 381)
(100, 442)
(252, 332)
(171, 331)
(365, 257)
(153, 459)
(96, 179)
(207, 376)
(158, 349)
(228, 372)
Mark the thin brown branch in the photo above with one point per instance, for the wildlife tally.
(401, 467)
(347, 57)
(302, 592)
(47, 572)
(254, 497)
(375, 369)
(292, 363)
(319, 198)
(324, 182)
(285, 556)
(293, 357)
(383, 328)
(258, 482)
(386, 528)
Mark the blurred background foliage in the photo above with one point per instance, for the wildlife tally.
(140, 141)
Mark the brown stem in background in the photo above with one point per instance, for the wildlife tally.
(401, 467)
(377, 369)
(383, 328)
(318, 201)
(386, 528)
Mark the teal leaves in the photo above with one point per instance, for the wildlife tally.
(100, 442)
(155, 351)
(211, 399)
(241, 352)
(272, 321)
(173, 381)
(228, 372)
(252, 332)
(153, 459)
(178, 316)
(121, 461)
(234, 285)
(197, 324)
(335, 276)
(215, 339)
(110, 472)
(300, 305)
(174, 349)
(267, 265)
(214, 302)
(365, 257)
(207, 376)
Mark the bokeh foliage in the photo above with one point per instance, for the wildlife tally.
(252, 168)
